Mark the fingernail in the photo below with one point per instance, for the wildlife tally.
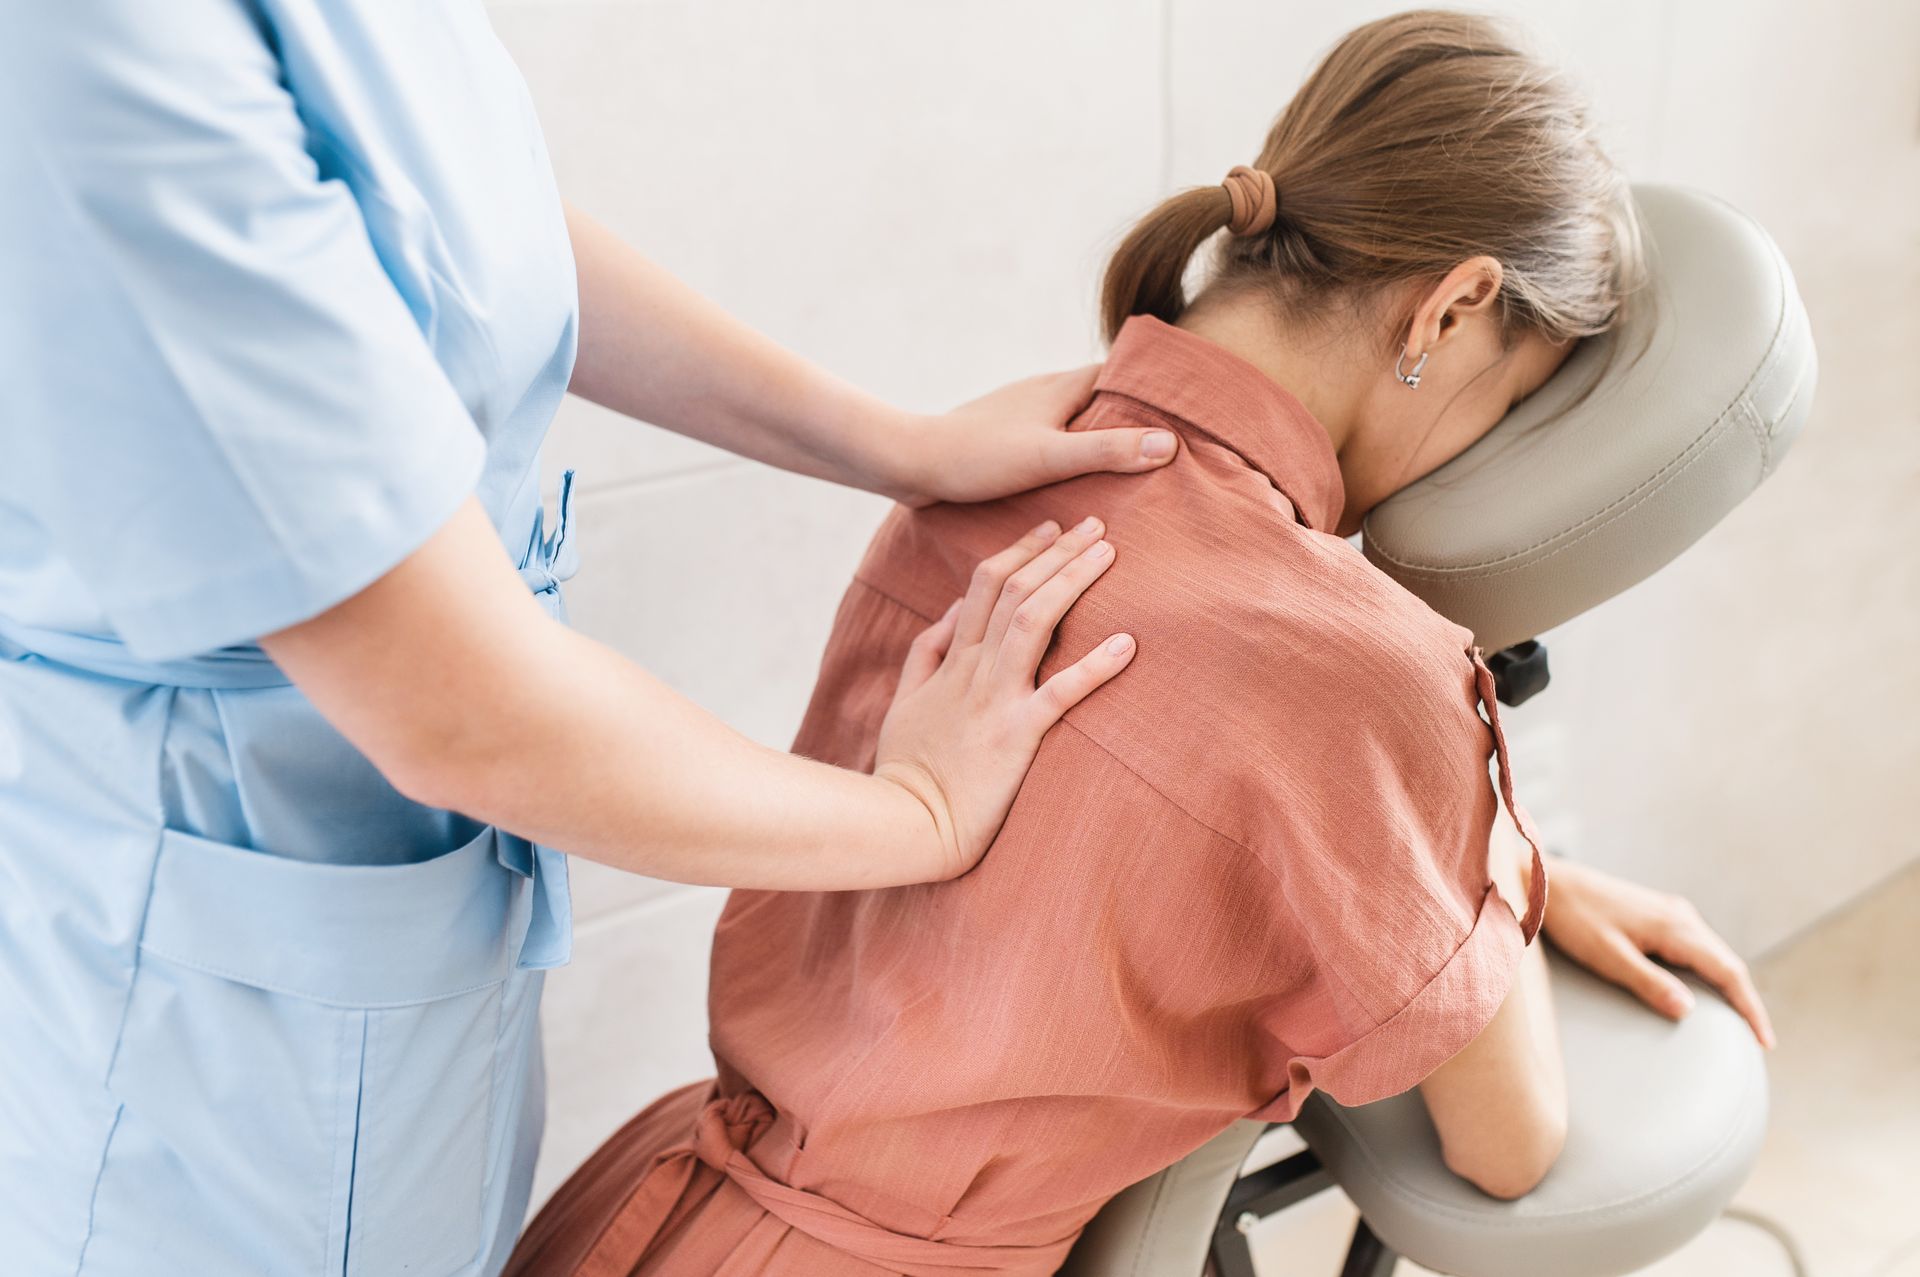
(1088, 524)
(1120, 644)
(1047, 529)
(1680, 1001)
(1099, 550)
(1156, 444)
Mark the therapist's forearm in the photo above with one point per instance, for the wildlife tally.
(654, 349)
(452, 681)
(636, 776)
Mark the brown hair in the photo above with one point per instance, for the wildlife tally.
(1419, 141)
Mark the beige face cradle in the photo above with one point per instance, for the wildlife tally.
(1555, 511)
(1558, 509)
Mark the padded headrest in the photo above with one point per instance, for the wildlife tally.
(1559, 508)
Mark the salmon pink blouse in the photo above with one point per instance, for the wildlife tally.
(1254, 865)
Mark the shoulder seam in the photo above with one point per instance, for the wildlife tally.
(1081, 732)
(1152, 788)
(1162, 794)
(892, 598)
(1231, 841)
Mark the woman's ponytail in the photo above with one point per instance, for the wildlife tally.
(1148, 272)
(1419, 141)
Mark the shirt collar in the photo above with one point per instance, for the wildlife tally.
(1226, 399)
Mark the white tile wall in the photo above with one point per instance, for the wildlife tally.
(800, 162)
(919, 196)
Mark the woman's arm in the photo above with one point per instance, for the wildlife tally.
(1611, 926)
(652, 348)
(1500, 1105)
(454, 682)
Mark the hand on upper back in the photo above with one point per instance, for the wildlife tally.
(967, 720)
(1611, 926)
(1016, 438)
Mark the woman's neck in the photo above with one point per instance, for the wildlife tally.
(1308, 365)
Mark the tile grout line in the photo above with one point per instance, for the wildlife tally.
(586, 486)
(1663, 81)
(1166, 97)
(1836, 911)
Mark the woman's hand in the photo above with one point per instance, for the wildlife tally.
(1017, 438)
(1610, 926)
(967, 720)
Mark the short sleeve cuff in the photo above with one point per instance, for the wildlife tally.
(1442, 1019)
(283, 585)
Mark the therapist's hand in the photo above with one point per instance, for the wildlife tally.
(652, 348)
(1016, 438)
(1615, 929)
(967, 719)
(449, 677)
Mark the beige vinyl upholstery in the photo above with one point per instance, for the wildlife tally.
(1665, 1122)
(1566, 503)
(1161, 1226)
(1557, 509)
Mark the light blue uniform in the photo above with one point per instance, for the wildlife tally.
(282, 283)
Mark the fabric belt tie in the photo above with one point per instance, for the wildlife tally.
(1537, 881)
(727, 1127)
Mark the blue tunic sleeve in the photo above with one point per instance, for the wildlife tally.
(227, 418)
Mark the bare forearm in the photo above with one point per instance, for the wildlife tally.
(466, 695)
(1543, 1026)
(449, 677)
(1532, 1002)
(654, 349)
(1500, 1106)
(1531, 998)
(636, 776)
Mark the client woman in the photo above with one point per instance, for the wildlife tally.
(1259, 864)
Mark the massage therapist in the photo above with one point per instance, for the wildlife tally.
(289, 725)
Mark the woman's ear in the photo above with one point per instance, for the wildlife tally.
(1468, 291)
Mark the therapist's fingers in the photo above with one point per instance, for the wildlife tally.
(928, 649)
(1079, 680)
(1124, 449)
(1063, 454)
(1018, 438)
(1034, 574)
(1014, 661)
(983, 592)
(1689, 942)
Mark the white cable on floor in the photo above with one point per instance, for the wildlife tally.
(1796, 1259)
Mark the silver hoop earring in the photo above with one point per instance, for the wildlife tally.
(1412, 379)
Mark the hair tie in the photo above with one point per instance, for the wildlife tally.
(1255, 202)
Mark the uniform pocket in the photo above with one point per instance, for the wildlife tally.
(308, 1062)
